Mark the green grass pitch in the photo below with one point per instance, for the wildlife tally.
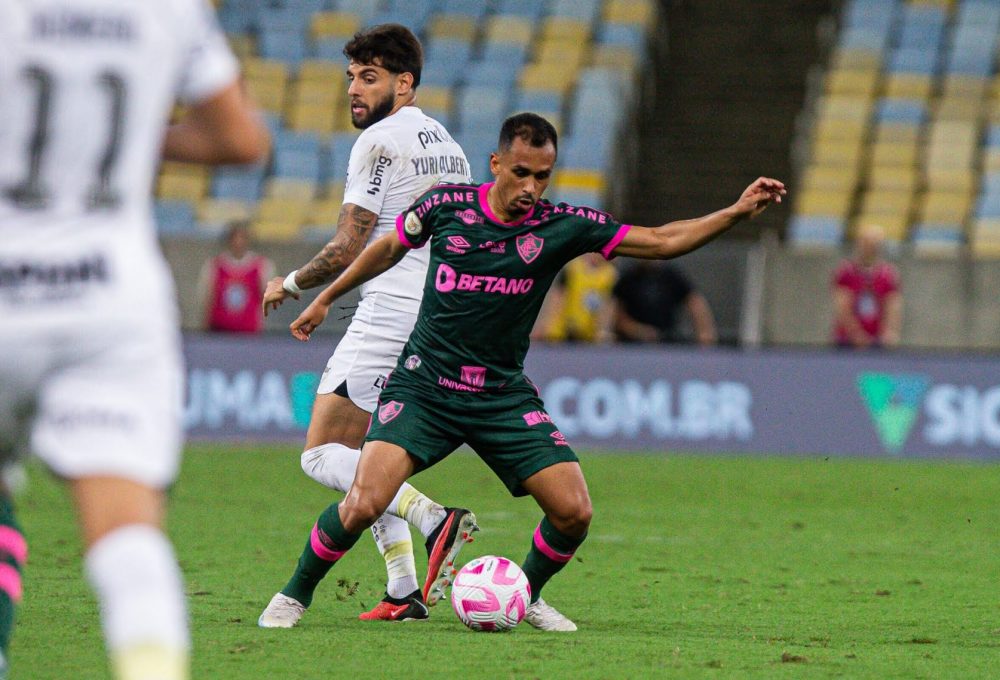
(696, 567)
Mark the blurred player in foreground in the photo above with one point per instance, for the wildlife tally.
(495, 250)
(401, 154)
(90, 362)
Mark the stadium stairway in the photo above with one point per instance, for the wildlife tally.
(729, 79)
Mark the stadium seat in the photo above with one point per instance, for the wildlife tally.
(237, 182)
(530, 9)
(855, 83)
(806, 231)
(587, 11)
(509, 29)
(181, 187)
(174, 218)
(214, 214)
(481, 107)
(824, 203)
(474, 10)
(835, 178)
(908, 85)
(334, 25)
(942, 206)
(638, 12)
(457, 27)
(283, 187)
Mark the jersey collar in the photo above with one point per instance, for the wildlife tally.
(484, 205)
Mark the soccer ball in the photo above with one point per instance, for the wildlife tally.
(490, 593)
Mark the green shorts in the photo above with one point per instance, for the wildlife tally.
(509, 429)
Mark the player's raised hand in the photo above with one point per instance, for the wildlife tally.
(309, 320)
(763, 192)
(275, 294)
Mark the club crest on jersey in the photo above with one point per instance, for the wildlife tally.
(529, 247)
(412, 224)
(469, 216)
(387, 412)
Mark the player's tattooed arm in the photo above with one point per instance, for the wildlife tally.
(354, 227)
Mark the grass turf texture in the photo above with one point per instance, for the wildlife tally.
(695, 567)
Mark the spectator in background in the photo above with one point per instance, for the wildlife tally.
(868, 305)
(232, 283)
(579, 306)
(649, 298)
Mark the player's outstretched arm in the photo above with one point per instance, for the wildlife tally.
(224, 128)
(354, 226)
(677, 238)
(375, 259)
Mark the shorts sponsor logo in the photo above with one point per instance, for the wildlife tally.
(469, 216)
(560, 438)
(412, 362)
(389, 411)
(474, 375)
(537, 418)
(457, 386)
(457, 244)
(529, 247)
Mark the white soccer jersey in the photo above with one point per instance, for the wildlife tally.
(87, 88)
(392, 163)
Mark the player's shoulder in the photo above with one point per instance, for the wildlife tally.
(403, 129)
(580, 214)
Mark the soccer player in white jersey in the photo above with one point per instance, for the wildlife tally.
(90, 360)
(401, 153)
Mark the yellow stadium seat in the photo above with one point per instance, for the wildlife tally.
(334, 25)
(276, 230)
(621, 58)
(986, 227)
(641, 12)
(311, 117)
(452, 27)
(315, 92)
(548, 76)
(569, 55)
(951, 156)
(837, 152)
(218, 212)
(431, 97)
(286, 187)
(243, 46)
(950, 179)
(894, 153)
(323, 71)
(189, 169)
(565, 29)
(938, 206)
(849, 107)
(335, 191)
(893, 178)
(908, 85)
(896, 133)
(856, 83)
(268, 94)
(325, 211)
(953, 132)
(991, 160)
(854, 59)
(894, 226)
(966, 87)
(509, 29)
(182, 187)
(824, 203)
(959, 108)
(570, 178)
(887, 202)
(837, 178)
(282, 209)
(265, 69)
(839, 129)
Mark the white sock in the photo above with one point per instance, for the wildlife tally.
(334, 465)
(417, 509)
(139, 587)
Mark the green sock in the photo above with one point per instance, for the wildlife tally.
(327, 543)
(13, 552)
(550, 551)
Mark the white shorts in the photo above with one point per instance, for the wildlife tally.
(368, 352)
(106, 402)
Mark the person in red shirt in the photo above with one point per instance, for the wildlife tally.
(232, 282)
(868, 304)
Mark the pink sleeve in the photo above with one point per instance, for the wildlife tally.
(615, 240)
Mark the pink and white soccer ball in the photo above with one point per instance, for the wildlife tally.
(490, 593)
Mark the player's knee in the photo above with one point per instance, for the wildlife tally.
(359, 512)
(574, 519)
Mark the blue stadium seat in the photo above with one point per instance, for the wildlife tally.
(876, 15)
(890, 110)
(478, 146)
(537, 100)
(974, 38)
(238, 16)
(977, 62)
(476, 10)
(440, 73)
(985, 13)
(818, 231)
(585, 10)
(532, 9)
(496, 73)
(240, 183)
(913, 60)
(993, 136)
(864, 38)
(298, 154)
(415, 22)
(340, 154)
(414, 12)
(282, 44)
(365, 9)
(330, 49)
(938, 234)
(174, 218)
(481, 107)
(623, 35)
(590, 152)
(286, 15)
(505, 53)
(447, 51)
(922, 26)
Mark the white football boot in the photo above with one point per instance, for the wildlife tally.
(281, 612)
(545, 617)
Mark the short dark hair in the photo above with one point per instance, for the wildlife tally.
(531, 128)
(391, 46)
